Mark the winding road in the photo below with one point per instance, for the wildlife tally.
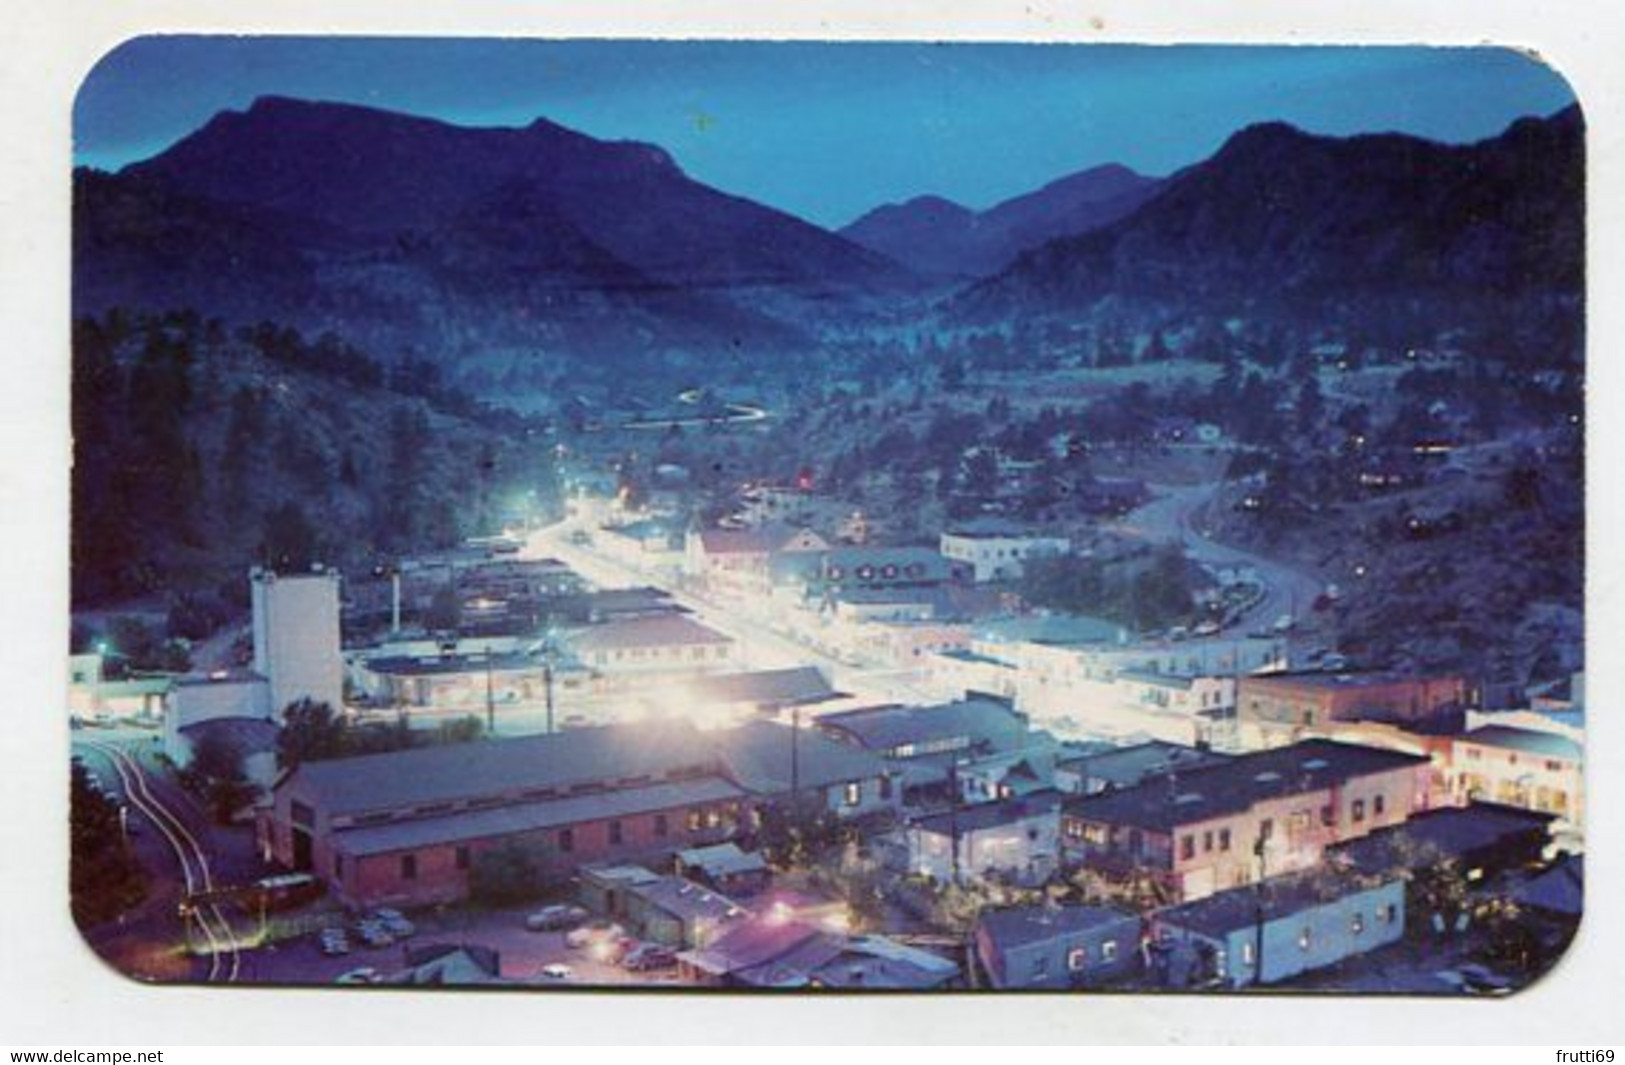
(220, 938)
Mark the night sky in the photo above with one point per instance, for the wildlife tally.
(828, 131)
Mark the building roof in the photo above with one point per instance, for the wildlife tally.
(450, 964)
(797, 686)
(488, 767)
(983, 816)
(1438, 835)
(1059, 630)
(246, 735)
(453, 664)
(1275, 898)
(1344, 680)
(658, 630)
(722, 859)
(882, 963)
(219, 678)
(522, 817)
(1124, 767)
(755, 943)
(1545, 744)
(1018, 926)
(757, 756)
(1208, 792)
(983, 721)
(688, 901)
(988, 528)
(1560, 889)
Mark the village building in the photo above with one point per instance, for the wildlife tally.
(767, 952)
(1108, 768)
(738, 561)
(296, 636)
(996, 550)
(406, 828)
(1056, 947)
(1011, 839)
(1287, 926)
(1540, 771)
(1194, 833)
(1280, 707)
(725, 868)
(641, 648)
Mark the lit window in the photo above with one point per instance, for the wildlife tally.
(1077, 958)
(1108, 950)
(1358, 810)
(1303, 938)
(854, 793)
(1248, 954)
(1357, 923)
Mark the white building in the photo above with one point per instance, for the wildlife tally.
(996, 551)
(234, 705)
(1017, 838)
(296, 636)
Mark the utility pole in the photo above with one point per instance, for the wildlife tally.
(547, 680)
(1259, 848)
(490, 696)
(953, 818)
(795, 759)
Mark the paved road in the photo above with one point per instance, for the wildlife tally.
(147, 803)
(760, 647)
(1175, 514)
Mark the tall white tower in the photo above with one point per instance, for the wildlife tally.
(296, 636)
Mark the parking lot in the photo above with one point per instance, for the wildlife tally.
(522, 954)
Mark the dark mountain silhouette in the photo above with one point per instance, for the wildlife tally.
(1288, 222)
(938, 237)
(408, 231)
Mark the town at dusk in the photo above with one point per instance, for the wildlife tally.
(827, 517)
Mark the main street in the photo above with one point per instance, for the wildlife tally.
(760, 646)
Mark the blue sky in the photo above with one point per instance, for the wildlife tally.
(828, 131)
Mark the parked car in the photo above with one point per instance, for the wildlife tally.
(646, 956)
(599, 931)
(556, 971)
(366, 974)
(395, 923)
(334, 942)
(373, 933)
(555, 918)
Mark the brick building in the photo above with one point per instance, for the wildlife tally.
(1279, 708)
(406, 828)
(1218, 827)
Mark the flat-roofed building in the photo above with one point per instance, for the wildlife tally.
(1279, 708)
(1222, 826)
(1540, 771)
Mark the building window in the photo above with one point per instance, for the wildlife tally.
(854, 793)
(661, 827)
(1328, 815)
(1386, 914)
(1357, 924)
(1249, 954)
(885, 788)
(1207, 841)
(302, 814)
(1077, 958)
(1357, 811)
(1303, 938)
(462, 857)
(1377, 804)
(409, 867)
(1224, 839)
(1040, 968)
(1187, 847)
(567, 840)
(615, 834)
(1266, 828)
(1108, 950)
